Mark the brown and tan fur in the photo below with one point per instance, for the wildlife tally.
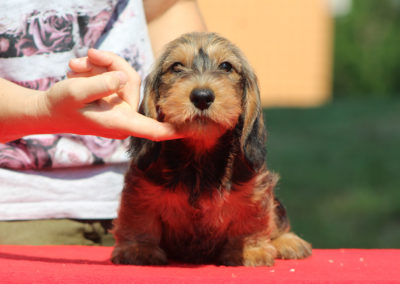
(209, 197)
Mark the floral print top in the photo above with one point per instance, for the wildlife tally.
(37, 39)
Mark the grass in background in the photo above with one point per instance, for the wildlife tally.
(340, 171)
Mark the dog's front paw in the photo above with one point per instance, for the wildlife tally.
(259, 255)
(251, 256)
(290, 246)
(250, 252)
(136, 254)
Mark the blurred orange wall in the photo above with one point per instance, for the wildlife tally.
(287, 42)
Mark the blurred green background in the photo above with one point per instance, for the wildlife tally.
(340, 163)
(367, 50)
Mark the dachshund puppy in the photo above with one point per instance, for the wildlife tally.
(209, 197)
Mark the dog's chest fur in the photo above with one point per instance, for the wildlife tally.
(198, 198)
(198, 231)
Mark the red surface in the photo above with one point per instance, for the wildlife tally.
(79, 264)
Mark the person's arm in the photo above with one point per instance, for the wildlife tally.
(91, 106)
(94, 105)
(20, 113)
(169, 19)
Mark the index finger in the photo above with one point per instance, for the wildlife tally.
(82, 67)
(146, 127)
(131, 92)
(86, 90)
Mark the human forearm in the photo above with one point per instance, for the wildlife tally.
(169, 19)
(69, 106)
(21, 112)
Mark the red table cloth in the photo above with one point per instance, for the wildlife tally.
(81, 264)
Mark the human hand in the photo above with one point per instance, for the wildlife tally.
(101, 98)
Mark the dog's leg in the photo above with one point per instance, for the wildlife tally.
(258, 252)
(232, 253)
(137, 233)
(250, 251)
(287, 244)
(143, 250)
(290, 246)
(137, 253)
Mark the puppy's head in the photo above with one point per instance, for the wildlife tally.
(203, 85)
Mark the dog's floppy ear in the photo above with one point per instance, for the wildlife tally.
(148, 106)
(253, 136)
(143, 151)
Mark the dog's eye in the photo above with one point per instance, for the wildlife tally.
(225, 66)
(176, 67)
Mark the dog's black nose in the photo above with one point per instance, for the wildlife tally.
(202, 98)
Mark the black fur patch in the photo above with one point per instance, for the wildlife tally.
(173, 164)
(144, 152)
(201, 175)
(201, 61)
(254, 148)
(282, 219)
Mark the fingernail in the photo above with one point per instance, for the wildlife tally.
(76, 62)
(122, 77)
(96, 52)
(93, 50)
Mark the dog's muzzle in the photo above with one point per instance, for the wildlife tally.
(202, 98)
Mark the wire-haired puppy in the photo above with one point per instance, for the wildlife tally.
(207, 198)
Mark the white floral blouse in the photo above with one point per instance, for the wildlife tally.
(37, 39)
